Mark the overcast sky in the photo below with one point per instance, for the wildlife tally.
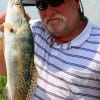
(91, 9)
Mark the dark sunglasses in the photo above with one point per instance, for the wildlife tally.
(43, 4)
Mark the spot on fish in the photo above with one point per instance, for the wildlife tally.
(9, 27)
(11, 30)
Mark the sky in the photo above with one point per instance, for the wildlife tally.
(91, 10)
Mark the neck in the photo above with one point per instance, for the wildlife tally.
(72, 34)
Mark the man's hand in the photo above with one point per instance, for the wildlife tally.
(2, 61)
(2, 20)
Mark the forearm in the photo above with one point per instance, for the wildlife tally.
(2, 61)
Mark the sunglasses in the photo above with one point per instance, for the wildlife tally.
(43, 4)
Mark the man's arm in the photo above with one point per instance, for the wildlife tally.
(2, 20)
(2, 61)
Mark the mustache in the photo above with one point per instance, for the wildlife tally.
(56, 16)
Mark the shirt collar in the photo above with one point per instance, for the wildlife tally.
(82, 37)
(76, 42)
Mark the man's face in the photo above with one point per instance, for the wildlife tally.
(61, 20)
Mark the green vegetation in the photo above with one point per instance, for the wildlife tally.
(2, 85)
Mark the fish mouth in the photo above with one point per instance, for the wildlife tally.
(17, 3)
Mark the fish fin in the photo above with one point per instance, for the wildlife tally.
(9, 27)
(5, 94)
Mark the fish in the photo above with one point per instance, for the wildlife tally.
(19, 54)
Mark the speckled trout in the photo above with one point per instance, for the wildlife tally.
(18, 52)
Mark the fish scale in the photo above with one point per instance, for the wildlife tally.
(19, 54)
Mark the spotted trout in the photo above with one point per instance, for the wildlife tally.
(19, 54)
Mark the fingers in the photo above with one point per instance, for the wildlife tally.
(2, 20)
(2, 17)
(2, 27)
(28, 17)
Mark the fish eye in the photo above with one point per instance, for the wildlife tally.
(17, 3)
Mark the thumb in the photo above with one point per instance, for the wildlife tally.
(2, 27)
(2, 17)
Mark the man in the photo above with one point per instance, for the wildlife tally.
(2, 62)
(67, 52)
